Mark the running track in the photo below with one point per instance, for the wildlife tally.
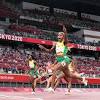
(25, 94)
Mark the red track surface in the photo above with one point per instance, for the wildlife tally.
(25, 94)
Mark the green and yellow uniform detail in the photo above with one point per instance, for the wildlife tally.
(61, 51)
(33, 72)
(32, 64)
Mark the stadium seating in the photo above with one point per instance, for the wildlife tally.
(14, 61)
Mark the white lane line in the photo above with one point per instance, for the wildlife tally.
(19, 97)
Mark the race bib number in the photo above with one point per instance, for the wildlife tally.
(63, 63)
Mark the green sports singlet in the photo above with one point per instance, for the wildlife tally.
(62, 49)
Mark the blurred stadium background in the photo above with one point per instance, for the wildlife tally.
(26, 23)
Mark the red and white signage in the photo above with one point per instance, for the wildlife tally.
(26, 79)
(14, 78)
(46, 42)
(93, 48)
(10, 37)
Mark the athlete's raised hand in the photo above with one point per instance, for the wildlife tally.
(64, 28)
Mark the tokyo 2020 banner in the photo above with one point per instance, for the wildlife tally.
(46, 42)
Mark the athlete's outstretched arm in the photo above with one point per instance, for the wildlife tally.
(48, 50)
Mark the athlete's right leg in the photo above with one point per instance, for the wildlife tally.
(59, 76)
(56, 68)
(31, 72)
(69, 86)
(57, 83)
(58, 79)
(33, 87)
(73, 75)
(34, 83)
(49, 82)
(83, 80)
